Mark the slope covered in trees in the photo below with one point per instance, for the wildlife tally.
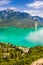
(19, 19)
(13, 55)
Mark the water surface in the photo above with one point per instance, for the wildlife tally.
(28, 37)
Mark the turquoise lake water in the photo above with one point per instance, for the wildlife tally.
(27, 37)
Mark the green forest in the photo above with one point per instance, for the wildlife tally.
(13, 55)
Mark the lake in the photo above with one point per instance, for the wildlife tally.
(27, 37)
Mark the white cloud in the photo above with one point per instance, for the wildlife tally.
(2, 2)
(35, 8)
(34, 12)
(36, 4)
(4, 8)
(13, 8)
(6, 2)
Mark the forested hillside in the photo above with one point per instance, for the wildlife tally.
(13, 55)
(9, 17)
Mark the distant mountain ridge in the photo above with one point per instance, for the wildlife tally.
(39, 18)
(19, 19)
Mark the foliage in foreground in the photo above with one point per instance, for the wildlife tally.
(12, 55)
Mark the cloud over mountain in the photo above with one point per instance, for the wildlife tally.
(36, 4)
(36, 8)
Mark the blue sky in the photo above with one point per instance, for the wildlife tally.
(34, 7)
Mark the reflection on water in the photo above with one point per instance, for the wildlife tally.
(36, 36)
(27, 37)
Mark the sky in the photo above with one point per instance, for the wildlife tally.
(33, 7)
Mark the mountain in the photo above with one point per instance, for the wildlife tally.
(9, 17)
(40, 19)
